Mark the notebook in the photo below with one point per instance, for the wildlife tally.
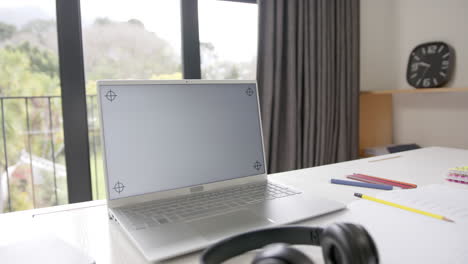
(458, 175)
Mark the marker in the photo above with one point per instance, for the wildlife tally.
(359, 195)
(362, 184)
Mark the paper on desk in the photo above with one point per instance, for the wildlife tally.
(407, 237)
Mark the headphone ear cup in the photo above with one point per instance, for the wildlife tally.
(280, 253)
(345, 243)
(269, 261)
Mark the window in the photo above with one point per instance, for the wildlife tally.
(32, 158)
(228, 39)
(137, 39)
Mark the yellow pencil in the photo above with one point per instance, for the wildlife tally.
(363, 196)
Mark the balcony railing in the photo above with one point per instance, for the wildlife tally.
(32, 157)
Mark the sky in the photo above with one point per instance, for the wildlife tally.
(231, 27)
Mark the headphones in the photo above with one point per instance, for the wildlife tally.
(342, 243)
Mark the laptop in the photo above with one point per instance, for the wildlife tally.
(185, 165)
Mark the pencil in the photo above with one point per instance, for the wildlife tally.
(373, 179)
(362, 184)
(402, 207)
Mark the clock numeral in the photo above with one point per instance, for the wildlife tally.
(429, 65)
(445, 64)
(432, 49)
(427, 82)
(440, 48)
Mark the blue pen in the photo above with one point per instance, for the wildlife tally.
(362, 184)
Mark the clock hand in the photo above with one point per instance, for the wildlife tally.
(424, 74)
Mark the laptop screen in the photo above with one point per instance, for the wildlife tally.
(161, 137)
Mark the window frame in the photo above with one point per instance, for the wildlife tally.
(191, 63)
(74, 111)
(73, 85)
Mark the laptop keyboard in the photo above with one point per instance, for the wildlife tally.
(201, 205)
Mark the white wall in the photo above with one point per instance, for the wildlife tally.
(426, 119)
(378, 60)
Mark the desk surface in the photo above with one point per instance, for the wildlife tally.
(86, 225)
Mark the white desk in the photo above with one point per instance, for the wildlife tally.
(86, 225)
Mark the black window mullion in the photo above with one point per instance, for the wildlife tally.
(190, 39)
(72, 80)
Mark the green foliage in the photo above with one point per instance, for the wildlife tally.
(20, 77)
(41, 61)
(170, 76)
(91, 87)
(20, 198)
(136, 22)
(26, 70)
(29, 66)
(13, 68)
(45, 191)
(101, 21)
(233, 73)
(6, 31)
(39, 32)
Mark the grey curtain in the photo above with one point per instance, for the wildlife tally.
(308, 77)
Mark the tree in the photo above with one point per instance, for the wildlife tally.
(18, 78)
(39, 33)
(136, 22)
(122, 50)
(40, 29)
(102, 21)
(29, 67)
(6, 31)
(215, 68)
(41, 61)
(39, 26)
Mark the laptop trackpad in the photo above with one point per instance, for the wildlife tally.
(221, 226)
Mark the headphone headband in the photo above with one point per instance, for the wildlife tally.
(233, 246)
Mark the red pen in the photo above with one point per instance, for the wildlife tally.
(372, 179)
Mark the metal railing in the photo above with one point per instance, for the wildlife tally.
(33, 172)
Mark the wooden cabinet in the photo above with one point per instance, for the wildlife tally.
(376, 115)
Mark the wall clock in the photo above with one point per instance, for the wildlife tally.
(430, 65)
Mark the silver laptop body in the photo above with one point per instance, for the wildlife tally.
(185, 165)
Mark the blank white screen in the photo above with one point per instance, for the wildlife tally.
(167, 136)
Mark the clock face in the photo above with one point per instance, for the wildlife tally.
(430, 65)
